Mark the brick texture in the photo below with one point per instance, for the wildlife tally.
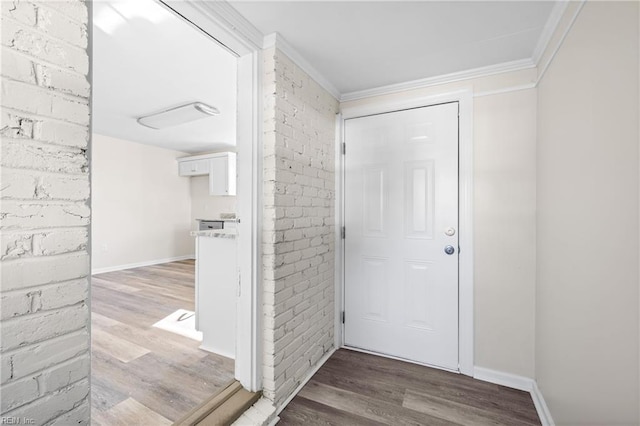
(298, 239)
(44, 212)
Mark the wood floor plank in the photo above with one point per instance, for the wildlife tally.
(370, 408)
(308, 412)
(456, 412)
(103, 397)
(398, 393)
(160, 292)
(102, 321)
(130, 412)
(410, 375)
(166, 372)
(170, 401)
(114, 285)
(373, 385)
(119, 348)
(378, 379)
(173, 375)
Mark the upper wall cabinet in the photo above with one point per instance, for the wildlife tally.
(221, 168)
(222, 178)
(193, 167)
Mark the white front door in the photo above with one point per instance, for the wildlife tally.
(401, 234)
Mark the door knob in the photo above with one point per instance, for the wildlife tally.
(449, 250)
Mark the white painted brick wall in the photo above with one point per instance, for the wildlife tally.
(44, 212)
(298, 234)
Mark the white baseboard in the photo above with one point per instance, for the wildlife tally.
(541, 406)
(262, 413)
(304, 382)
(505, 379)
(140, 264)
(522, 383)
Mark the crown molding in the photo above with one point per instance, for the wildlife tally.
(505, 90)
(578, 5)
(229, 18)
(226, 15)
(522, 64)
(276, 40)
(549, 28)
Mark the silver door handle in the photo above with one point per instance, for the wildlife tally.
(449, 250)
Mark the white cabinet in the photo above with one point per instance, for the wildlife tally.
(221, 168)
(216, 287)
(222, 177)
(193, 167)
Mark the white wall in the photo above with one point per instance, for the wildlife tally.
(504, 223)
(504, 139)
(141, 207)
(587, 323)
(298, 228)
(45, 214)
(205, 206)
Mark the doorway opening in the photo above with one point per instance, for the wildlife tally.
(173, 117)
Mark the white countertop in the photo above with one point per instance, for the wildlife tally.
(215, 233)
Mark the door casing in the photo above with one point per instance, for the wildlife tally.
(465, 182)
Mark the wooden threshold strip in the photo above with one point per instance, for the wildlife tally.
(221, 409)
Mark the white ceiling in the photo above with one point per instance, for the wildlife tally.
(359, 45)
(145, 60)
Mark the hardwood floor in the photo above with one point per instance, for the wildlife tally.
(353, 388)
(142, 375)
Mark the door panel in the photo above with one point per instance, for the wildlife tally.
(419, 199)
(419, 297)
(401, 195)
(377, 281)
(375, 197)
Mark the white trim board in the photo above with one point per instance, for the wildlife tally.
(263, 413)
(141, 264)
(504, 379)
(465, 154)
(220, 21)
(504, 67)
(565, 33)
(541, 406)
(274, 421)
(549, 28)
(522, 383)
(339, 242)
(505, 90)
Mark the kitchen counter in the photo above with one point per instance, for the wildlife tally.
(215, 233)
